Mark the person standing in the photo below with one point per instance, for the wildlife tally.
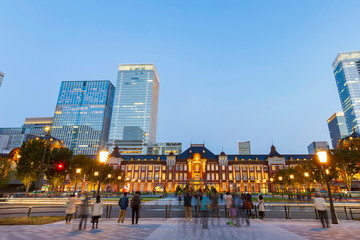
(261, 207)
(198, 204)
(320, 206)
(97, 211)
(187, 204)
(123, 204)
(215, 206)
(135, 206)
(228, 204)
(71, 208)
(84, 213)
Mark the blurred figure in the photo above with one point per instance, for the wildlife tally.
(320, 206)
(205, 211)
(198, 204)
(135, 206)
(179, 199)
(222, 197)
(214, 196)
(248, 205)
(84, 213)
(187, 204)
(241, 214)
(97, 211)
(228, 204)
(70, 208)
(123, 204)
(261, 207)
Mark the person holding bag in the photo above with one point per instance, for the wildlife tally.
(261, 207)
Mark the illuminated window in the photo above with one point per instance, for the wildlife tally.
(212, 167)
(156, 176)
(208, 176)
(150, 168)
(230, 176)
(136, 175)
(245, 176)
(157, 168)
(223, 176)
(223, 167)
(237, 176)
(252, 178)
(258, 168)
(251, 168)
(181, 168)
(163, 176)
(170, 176)
(230, 168)
(217, 176)
(181, 176)
(164, 168)
(142, 176)
(273, 168)
(259, 176)
(177, 167)
(236, 168)
(170, 168)
(136, 168)
(217, 167)
(185, 167)
(212, 176)
(177, 176)
(149, 176)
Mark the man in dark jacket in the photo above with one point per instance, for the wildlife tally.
(187, 204)
(135, 206)
(123, 204)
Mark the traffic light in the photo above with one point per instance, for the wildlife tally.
(60, 166)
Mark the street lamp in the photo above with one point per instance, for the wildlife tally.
(78, 170)
(103, 155)
(47, 129)
(323, 160)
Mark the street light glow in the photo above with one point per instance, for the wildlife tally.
(78, 170)
(280, 178)
(271, 179)
(306, 174)
(291, 176)
(109, 175)
(103, 155)
(119, 177)
(96, 173)
(322, 156)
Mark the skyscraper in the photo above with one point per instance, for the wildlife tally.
(337, 128)
(1, 77)
(316, 146)
(244, 148)
(82, 115)
(346, 68)
(135, 108)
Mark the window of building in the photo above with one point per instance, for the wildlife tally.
(129, 168)
(170, 176)
(245, 177)
(149, 176)
(129, 175)
(223, 176)
(237, 176)
(170, 168)
(181, 167)
(273, 168)
(258, 168)
(164, 168)
(230, 168)
(163, 176)
(156, 176)
(230, 176)
(252, 178)
(212, 167)
(150, 168)
(157, 168)
(185, 167)
(177, 167)
(213, 176)
(217, 176)
(142, 168)
(266, 176)
(244, 169)
(281, 167)
(181, 176)
(251, 168)
(136, 168)
(177, 176)
(123, 167)
(208, 176)
(142, 176)
(208, 167)
(223, 167)
(217, 167)
(237, 168)
(265, 168)
(136, 175)
(259, 176)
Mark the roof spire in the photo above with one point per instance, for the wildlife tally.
(353, 127)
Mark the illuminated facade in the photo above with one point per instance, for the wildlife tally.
(198, 167)
(135, 108)
(82, 115)
(346, 68)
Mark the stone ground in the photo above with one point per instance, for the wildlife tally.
(176, 228)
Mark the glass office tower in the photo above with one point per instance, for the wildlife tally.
(337, 128)
(1, 77)
(82, 115)
(347, 74)
(135, 108)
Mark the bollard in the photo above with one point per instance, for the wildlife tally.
(29, 212)
(289, 213)
(286, 214)
(169, 211)
(166, 211)
(110, 211)
(316, 214)
(256, 211)
(347, 218)
(351, 214)
(107, 210)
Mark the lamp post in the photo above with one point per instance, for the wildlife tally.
(47, 129)
(103, 155)
(119, 178)
(306, 174)
(78, 170)
(323, 160)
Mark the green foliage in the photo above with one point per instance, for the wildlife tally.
(29, 164)
(178, 190)
(4, 172)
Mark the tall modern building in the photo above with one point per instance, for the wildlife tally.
(244, 148)
(135, 108)
(346, 68)
(83, 114)
(337, 128)
(1, 77)
(316, 146)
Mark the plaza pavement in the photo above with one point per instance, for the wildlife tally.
(176, 228)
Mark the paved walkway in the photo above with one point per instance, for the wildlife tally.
(176, 228)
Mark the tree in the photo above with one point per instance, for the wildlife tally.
(84, 163)
(28, 167)
(4, 171)
(178, 190)
(55, 174)
(346, 163)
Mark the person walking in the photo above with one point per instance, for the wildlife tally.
(123, 204)
(248, 205)
(84, 213)
(135, 206)
(198, 204)
(97, 211)
(70, 208)
(320, 206)
(228, 204)
(205, 209)
(261, 207)
(187, 204)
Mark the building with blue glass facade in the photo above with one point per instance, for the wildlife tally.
(346, 68)
(83, 114)
(135, 108)
(1, 77)
(337, 128)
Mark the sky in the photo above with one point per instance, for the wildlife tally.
(229, 70)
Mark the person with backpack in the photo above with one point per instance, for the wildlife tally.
(123, 204)
(135, 207)
(187, 205)
(97, 211)
(261, 207)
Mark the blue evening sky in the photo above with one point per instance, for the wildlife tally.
(229, 70)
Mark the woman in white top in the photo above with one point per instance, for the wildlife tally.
(97, 211)
(71, 208)
(261, 207)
